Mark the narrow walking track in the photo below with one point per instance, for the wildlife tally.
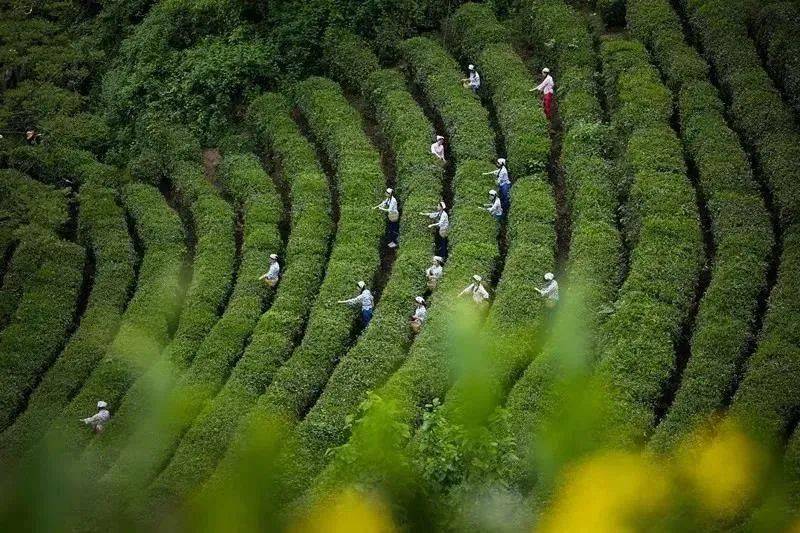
(555, 170)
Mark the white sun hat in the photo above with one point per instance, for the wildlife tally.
(437, 258)
(419, 300)
(101, 404)
(273, 256)
(493, 192)
(501, 161)
(439, 138)
(549, 276)
(442, 205)
(545, 70)
(471, 66)
(389, 191)
(477, 278)
(361, 284)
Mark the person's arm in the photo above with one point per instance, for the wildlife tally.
(92, 419)
(547, 291)
(538, 87)
(351, 301)
(495, 172)
(467, 289)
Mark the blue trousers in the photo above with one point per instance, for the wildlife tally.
(442, 247)
(394, 231)
(366, 316)
(505, 197)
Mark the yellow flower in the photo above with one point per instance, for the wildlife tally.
(723, 470)
(350, 512)
(611, 492)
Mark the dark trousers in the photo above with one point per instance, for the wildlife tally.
(442, 247)
(393, 231)
(505, 197)
(366, 316)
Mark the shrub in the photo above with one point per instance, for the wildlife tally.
(25, 202)
(196, 367)
(561, 35)
(473, 248)
(517, 314)
(766, 126)
(612, 11)
(739, 221)
(277, 331)
(46, 311)
(439, 77)
(145, 326)
(762, 119)
(102, 228)
(637, 343)
(774, 28)
(212, 270)
(382, 348)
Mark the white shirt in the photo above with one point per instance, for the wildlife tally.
(474, 79)
(438, 150)
(547, 85)
(99, 419)
(479, 294)
(421, 313)
(364, 299)
(551, 291)
(273, 272)
(434, 271)
(502, 176)
(443, 223)
(495, 208)
(389, 205)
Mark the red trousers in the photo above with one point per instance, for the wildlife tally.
(548, 106)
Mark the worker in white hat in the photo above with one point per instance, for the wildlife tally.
(479, 293)
(98, 420)
(550, 292)
(363, 299)
(389, 206)
(494, 207)
(434, 272)
(437, 148)
(442, 224)
(474, 80)
(274, 273)
(420, 314)
(503, 183)
(547, 89)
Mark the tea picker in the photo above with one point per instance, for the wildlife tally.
(503, 183)
(479, 293)
(420, 314)
(442, 224)
(274, 273)
(98, 420)
(474, 80)
(389, 206)
(494, 207)
(437, 148)
(363, 299)
(550, 292)
(546, 88)
(434, 272)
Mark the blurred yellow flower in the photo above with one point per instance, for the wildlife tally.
(610, 492)
(723, 470)
(350, 512)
